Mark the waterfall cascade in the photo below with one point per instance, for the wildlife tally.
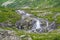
(38, 24)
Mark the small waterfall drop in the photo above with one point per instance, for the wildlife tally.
(38, 25)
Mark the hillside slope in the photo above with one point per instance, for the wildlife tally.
(46, 9)
(30, 3)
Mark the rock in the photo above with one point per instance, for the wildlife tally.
(51, 27)
(24, 23)
(34, 24)
(1, 24)
(7, 24)
(8, 35)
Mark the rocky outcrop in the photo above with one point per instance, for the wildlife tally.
(34, 24)
(8, 35)
(7, 24)
(11, 35)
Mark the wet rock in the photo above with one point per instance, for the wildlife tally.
(24, 23)
(51, 27)
(34, 24)
(8, 35)
(0, 24)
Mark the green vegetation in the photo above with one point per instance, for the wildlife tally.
(33, 3)
(8, 14)
(54, 35)
(58, 19)
(50, 13)
(53, 6)
(2, 1)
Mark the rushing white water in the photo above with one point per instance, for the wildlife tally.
(23, 13)
(38, 25)
(47, 23)
(20, 12)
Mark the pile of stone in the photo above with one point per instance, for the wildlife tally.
(10, 35)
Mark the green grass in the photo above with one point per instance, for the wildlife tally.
(58, 19)
(54, 35)
(8, 14)
(48, 16)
